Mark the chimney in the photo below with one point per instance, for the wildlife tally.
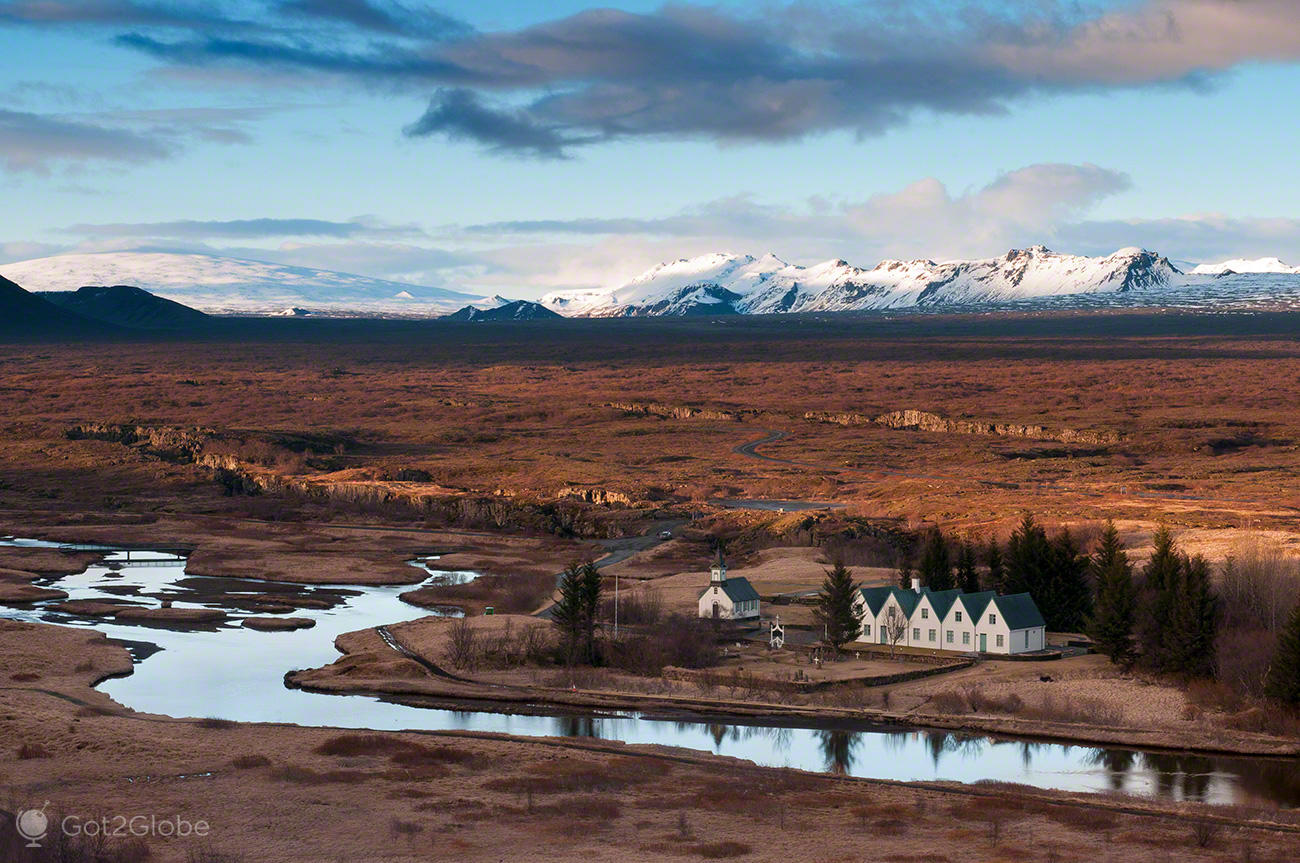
(916, 585)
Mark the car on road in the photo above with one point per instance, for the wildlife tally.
(665, 534)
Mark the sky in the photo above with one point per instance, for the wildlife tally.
(517, 148)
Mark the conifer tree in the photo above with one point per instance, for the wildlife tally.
(1065, 597)
(1160, 582)
(1111, 623)
(837, 607)
(1283, 681)
(936, 563)
(569, 612)
(997, 569)
(1028, 560)
(905, 570)
(968, 577)
(591, 606)
(1193, 620)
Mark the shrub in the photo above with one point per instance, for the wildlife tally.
(28, 751)
(248, 762)
(636, 607)
(306, 776)
(679, 640)
(24, 677)
(720, 850)
(216, 724)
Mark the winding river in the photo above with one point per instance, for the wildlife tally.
(227, 671)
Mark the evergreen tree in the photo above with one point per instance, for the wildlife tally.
(837, 607)
(1028, 560)
(1111, 623)
(1160, 582)
(569, 612)
(1283, 681)
(590, 590)
(997, 569)
(905, 570)
(1193, 620)
(968, 577)
(1066, 598)
(936, 563)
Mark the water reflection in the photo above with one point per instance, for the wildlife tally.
(236, 673)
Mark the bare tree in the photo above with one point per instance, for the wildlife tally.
(462, 644)
(895, 627)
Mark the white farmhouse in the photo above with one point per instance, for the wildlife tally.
(951, 620)
(728, 598)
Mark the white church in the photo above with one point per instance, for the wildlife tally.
(983, 622)
(728, 598)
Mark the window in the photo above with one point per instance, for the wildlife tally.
(925, 613)
(999, 641)
(959, 617)
(950, 636)
(965, 638)
(932, 635)
(993, 618)
(866, 629)
(916, 635)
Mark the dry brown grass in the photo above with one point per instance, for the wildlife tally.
(29, 751)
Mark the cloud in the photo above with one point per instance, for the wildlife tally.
(923, 219)
(245, 229)
(389, 18)
(768, 73)
(1199, 237)
(459, 113)
(36, 142)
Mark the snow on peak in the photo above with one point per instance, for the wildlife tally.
(217, 284)
(1241, 265)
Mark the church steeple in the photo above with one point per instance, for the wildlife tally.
(718, 572)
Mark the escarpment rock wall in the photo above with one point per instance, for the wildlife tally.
(932, 422)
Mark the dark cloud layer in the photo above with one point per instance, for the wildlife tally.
(690, 71)
(33, 142)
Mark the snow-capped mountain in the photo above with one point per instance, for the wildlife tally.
(221, 285)
(1239, 265)
(742, 284)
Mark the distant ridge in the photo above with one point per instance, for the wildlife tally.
(125, 306)
(727, 284)
(514, 310)
(222, 285)
(24, 314)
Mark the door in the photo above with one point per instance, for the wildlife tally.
(984, 642)
(717, 612)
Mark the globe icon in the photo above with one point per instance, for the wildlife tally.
(33, 824)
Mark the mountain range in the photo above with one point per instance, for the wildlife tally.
(221, 285)
(713, 284)
(723, 283)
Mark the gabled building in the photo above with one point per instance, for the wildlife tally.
(952, 620)
(728, 598)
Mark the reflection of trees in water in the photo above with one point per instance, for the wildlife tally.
(1116, 762)
(577, 726)
(1272, 781)
(1180, 776)
(940, 744)
(838, 750)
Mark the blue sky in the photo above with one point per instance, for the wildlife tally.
(516, 148)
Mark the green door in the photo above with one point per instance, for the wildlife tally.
(984, 643)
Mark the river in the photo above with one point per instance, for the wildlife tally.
(230, 672)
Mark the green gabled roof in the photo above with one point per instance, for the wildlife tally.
(975, 603)
(875, 597)
(1019, 611)
(739, 589)
(941, 600)
(907, 599)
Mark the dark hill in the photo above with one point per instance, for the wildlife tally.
(24, 314)
(519, 310)
(125, 306)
